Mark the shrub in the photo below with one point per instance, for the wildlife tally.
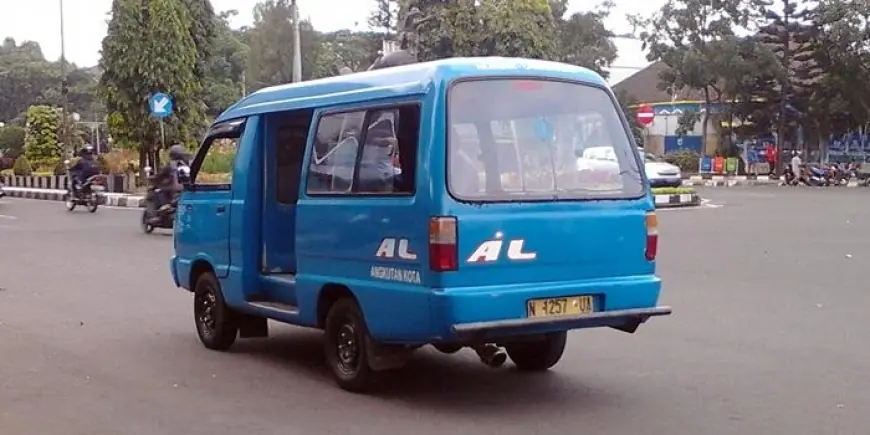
(6, 163)
(686, 160)
(40, 144)
(11, 140)
(118, 161)
(22, 166)
(59, 169)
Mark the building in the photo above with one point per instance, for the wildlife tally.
(669, 104)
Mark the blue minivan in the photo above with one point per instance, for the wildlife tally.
(445, 203)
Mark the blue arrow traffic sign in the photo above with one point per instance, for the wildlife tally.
(160, 105)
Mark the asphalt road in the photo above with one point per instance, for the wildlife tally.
(769, 336)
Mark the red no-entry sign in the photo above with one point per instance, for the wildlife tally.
(645, 115)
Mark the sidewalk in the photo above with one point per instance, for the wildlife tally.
(110, 199)
(741, 180)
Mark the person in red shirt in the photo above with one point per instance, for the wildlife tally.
(770, 155)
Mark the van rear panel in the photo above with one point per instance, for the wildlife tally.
(511, 254)
(512, 244)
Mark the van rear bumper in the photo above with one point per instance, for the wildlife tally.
(603, 318)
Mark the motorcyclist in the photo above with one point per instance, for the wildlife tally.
(86, 167)
(167, 178)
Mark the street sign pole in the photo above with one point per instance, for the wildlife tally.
(161, 107)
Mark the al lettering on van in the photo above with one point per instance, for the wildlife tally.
(390, 248)
(490, 250)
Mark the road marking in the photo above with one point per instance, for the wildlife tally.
(705, 205)
(4, 216)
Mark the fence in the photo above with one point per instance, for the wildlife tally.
(114, 183)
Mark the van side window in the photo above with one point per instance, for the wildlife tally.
(380, 156)
(216, 168)
(389, 155)
(334, 156)
(291, 138)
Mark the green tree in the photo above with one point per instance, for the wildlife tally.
(270, 60)
(150, 50)
(384, 17)
(695, 38)
(224, 83)
(11, 140)
(518, 28)
(40, 144)
(628, 106)
(27, 78)
(583, 38)
(354, 50)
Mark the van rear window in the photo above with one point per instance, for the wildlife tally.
(518, 140)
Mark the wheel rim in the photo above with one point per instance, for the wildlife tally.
(347, 348)
(205, 304)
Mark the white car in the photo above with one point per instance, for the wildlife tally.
(659, 172)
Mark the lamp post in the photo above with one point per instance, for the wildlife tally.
(297, 45)
(63, 83)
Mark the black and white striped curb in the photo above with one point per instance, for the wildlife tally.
(110, 199)
(681, 200)
(740, 181)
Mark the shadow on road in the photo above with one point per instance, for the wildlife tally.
(452, 384)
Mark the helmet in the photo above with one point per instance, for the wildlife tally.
(177, 152)
(87, 150)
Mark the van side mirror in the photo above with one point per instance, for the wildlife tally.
(578, 153)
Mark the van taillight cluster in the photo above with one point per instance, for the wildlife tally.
(443, 252)
(652, 235)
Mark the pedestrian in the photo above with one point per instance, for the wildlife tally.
(796, 163)
(752, 159)
(770, 155)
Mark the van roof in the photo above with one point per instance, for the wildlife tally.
(413, 79)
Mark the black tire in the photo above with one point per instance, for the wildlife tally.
(538, 356)
(345, 346)
(70, 201)
(217, 325)
(146, 227)
(447, 348)
(93, 202)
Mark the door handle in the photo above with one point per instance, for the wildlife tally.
(221, 209)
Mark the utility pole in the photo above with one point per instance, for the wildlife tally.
(785, 85)
(64, 85)
(297, 45)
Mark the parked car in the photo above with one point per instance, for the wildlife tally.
(659, 172)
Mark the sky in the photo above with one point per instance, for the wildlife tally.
(85, 22)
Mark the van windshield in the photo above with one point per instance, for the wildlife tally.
(517, 140)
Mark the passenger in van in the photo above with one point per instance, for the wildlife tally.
(466, 180)
(377, 174)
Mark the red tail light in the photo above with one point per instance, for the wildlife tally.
(443, 252)
(652, 236)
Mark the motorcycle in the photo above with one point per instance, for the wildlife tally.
(86, 194)
(154, 215)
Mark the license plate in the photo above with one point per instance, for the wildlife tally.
(554, 307)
